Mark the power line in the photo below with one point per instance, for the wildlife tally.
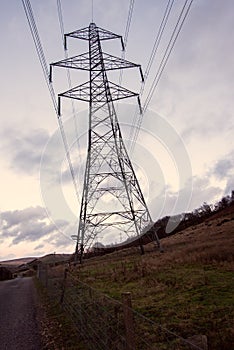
(158, 37)
(92, 9)
(151, 60)
(61, 24)
(126, 33)
(167, 53)
(39, 49)
(130, 12)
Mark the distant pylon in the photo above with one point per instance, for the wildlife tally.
(112, 199)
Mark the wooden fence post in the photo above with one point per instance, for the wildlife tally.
(63, 285)
(128, 320)
(46, 275)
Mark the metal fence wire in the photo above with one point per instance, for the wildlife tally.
(103, 322)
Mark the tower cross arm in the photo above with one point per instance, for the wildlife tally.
(83, 34)
(82, 93)
(82, 62)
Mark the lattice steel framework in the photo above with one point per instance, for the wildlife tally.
(112, 199)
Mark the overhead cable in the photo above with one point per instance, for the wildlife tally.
(61, 24)
(126, 33)
(179, 24)
(150, 62)
(158, 37)
(39, 49)
(167, 53)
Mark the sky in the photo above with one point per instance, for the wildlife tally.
(184, 154)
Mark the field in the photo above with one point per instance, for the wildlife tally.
(188, 289)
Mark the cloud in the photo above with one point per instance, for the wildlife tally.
(224, 167)
(198, 78)
(39, 246)
(78, 168)
(204, 129)
(60, 240)
(24, 149)
(29, 225)
(202, 191)
(223, 170)
(16, 217)
(229, 185)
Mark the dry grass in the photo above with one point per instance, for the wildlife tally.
(187, 289)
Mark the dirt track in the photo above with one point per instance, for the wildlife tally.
(18, 324)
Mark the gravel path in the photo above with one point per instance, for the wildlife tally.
(18, 324)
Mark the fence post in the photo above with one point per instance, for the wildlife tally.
(39, 271)
(63, 285)
(128, 320)
(46, 275)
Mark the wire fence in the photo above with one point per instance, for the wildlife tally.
(103, 322)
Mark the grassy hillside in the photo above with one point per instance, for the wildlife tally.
(54, 258)
(187, 289)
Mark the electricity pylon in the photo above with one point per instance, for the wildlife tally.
(112, 199)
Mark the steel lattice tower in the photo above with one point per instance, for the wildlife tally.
(112, 199)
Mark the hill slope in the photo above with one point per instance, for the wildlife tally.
(188, 289)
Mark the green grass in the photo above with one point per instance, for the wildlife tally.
(188, 289)
(187, 299)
